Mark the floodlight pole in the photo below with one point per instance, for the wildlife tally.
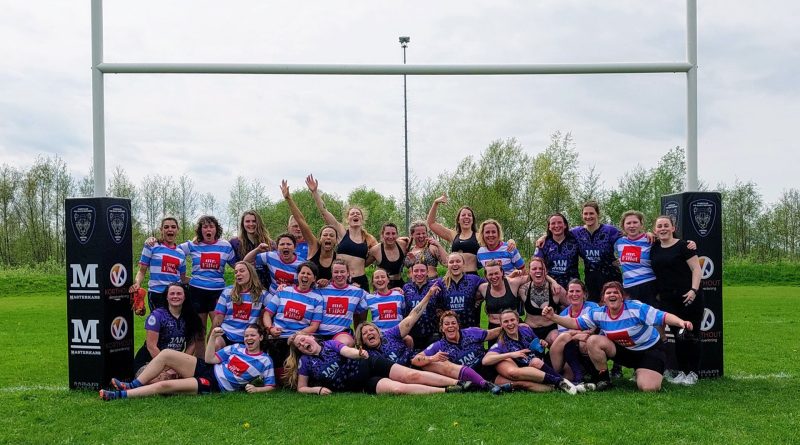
(692, 183)
(98, 99)
(404, 43)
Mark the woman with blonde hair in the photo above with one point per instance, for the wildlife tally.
(425, 249)
(493, 248)
(239, 305)
(354, 242)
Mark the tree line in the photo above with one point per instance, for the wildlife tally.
(505, 182)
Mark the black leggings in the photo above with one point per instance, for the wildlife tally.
(688, 347)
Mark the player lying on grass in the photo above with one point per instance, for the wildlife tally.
(229, 369)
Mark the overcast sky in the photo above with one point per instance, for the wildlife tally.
(348, 130)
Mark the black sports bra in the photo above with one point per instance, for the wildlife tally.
(537, 310)
(348, 247)
(325, 273)
(496, 305)
(392, 267)
(469, 245)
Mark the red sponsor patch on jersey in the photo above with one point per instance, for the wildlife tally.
(170, 264)
(387, 311)
(283, 277)
(237, 366)
(241, 311)
(631, 254)
(294, 310)
(209, 261)
(336, 305)
(621, 338)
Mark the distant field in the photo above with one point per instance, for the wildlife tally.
(757, 401)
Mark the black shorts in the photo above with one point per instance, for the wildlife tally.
(206, 380)
(396, 283)
(203, 300)
(278, 350)
(652, 358)
(542, 331)
(141, 358)
(156, 299)
(361, 281)
(423, 341)
(596, 280)
(672, 302)
(647, 293)
(378, 368)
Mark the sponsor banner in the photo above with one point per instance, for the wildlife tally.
(98, 274)
(697, 217)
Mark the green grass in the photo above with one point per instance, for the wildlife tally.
(757, 401)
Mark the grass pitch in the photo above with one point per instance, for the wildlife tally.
(756, 402)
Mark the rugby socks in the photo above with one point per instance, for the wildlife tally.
(134, 384)
(113, 395)
(551, 377)
(120, 385)
(469, 374)
(574, 361)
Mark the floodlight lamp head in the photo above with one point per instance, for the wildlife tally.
(404, 41)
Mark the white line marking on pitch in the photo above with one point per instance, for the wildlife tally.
(780, 375)
(34, 388)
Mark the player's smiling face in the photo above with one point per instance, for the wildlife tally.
(305, 278)
(370, 336)
(491, 236)
(327, 238)
(354, 217)
(419, 272)
(494, 274)
(556, 225)
(389, 235)
(339, 275)
(509, 322)
(420, 235)
(307, 344)
(169, 230)
(175, 296)
(455, 263)
(664, 229)
(632, 226)
(575, 294)
(589, 216)
(450, 328)
(537, 272)
(612, 298)
(249, 224)
(380, 280)
(252, 340)
(465, 218)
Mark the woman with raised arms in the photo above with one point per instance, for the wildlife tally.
(385, 305)
(229, 369)
(354, 242)
(166, 263)
(321, 368)
(463, 238)
(627, 335)
(390, 254)
(424, 249)
(517, 364)
(320, 251)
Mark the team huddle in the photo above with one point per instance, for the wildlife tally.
(297, 312)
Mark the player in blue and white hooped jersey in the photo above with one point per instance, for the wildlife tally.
(321, 368)
(570, 345)
(296, 308)
(342, 303)
(385, 305)
(209, 254)
(518, 358)
(394, 344)
(165, 262)
(633, 253)
(241, 366)
(281, 264)
(627, 334)
(240, 305)
(459, 352)
(490, 236)
(252, 232)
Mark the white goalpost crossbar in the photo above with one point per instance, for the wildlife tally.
(99, 68)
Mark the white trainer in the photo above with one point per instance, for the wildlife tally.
(567, 386)
(678, 379)
(690, 379)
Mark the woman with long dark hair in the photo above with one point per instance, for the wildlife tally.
(462, 237)
(165, 262)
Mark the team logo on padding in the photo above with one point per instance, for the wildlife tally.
(119, 328)
(117, 222)
(83, 217)
(703, 213)
(673, 210)
(706, 267)
(118, 275)
(708, 320)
